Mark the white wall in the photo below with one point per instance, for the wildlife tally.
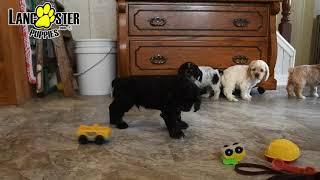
(97, 18)
(302, 19)
(317, 7)
(302, 25)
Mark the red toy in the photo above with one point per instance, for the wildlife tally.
(280, 165)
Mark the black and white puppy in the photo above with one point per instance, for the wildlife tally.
(190, 71)
(169, 94)
(205, 77)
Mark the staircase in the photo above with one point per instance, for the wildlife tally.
(285, 60)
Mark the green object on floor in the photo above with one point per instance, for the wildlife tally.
(229, 162)
(232, 154)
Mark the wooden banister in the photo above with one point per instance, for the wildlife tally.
(285, 26)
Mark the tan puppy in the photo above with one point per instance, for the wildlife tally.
(302, 76)
(243, 77)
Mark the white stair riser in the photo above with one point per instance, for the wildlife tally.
(285, 60)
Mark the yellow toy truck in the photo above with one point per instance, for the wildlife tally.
(96, 133)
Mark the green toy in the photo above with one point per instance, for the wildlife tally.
(232, 155)
(229, 162)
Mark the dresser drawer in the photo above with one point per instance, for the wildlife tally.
(164, 57)
(199, 20)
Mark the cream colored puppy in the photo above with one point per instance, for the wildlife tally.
(302, 76)
(243, 77)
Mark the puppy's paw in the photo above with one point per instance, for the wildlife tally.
(291, 94)
(247, 98)
(301, 97)
(207, 95)
(233, 99)
(315, 95)
(182, 125)
(176, 134)
(122, 125)
(216, 97)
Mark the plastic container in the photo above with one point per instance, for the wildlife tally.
(93, 78)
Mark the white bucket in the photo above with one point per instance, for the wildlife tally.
(95, 80)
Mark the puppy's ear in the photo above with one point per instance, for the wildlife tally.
(115, 81)
(266, 75)
(181, 69)
(249, 69)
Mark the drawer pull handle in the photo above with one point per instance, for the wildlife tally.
(158, 59)
(240, 59)
(241, 22)
(157, 21)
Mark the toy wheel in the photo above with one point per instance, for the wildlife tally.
(99, 140)
(83, 139)
(261, 90)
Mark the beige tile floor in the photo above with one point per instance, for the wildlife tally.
(38, 139)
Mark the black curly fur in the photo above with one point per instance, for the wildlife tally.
(169, 94)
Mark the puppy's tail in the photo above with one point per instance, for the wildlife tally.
(114, 82)
(115, 86)
(290, 70)
(290, 77)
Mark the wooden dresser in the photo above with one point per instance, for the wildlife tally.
(14, 87)
(156, 36)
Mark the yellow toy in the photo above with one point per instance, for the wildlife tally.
(232, 155)
(98, 134)
(282, 149)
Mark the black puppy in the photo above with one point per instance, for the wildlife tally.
(190, 71)
(169, 94)
(196, 75)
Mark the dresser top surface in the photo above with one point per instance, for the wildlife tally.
(255, 1)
